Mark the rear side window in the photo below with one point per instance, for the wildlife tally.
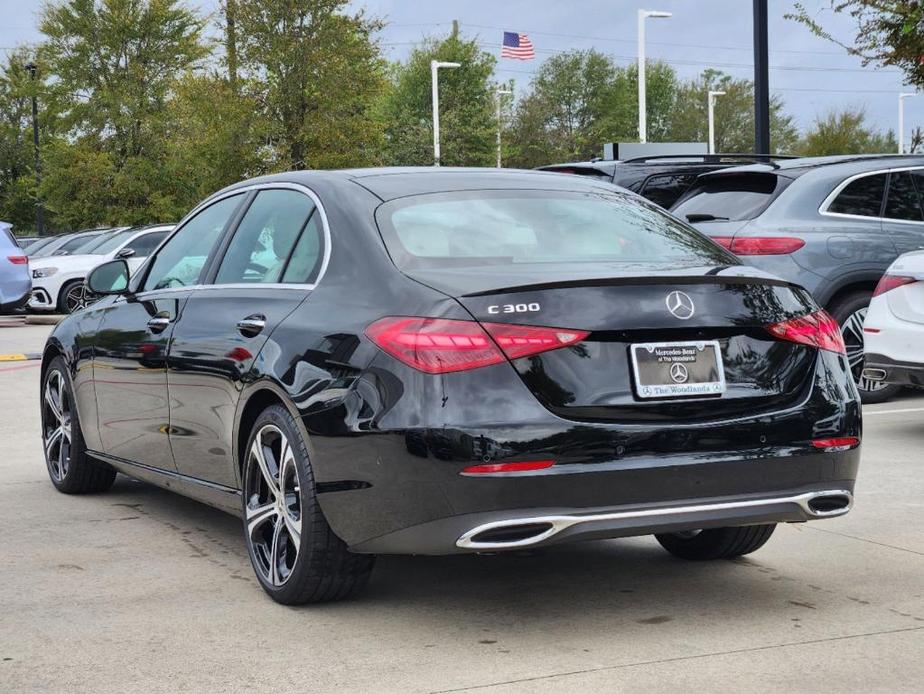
(903, 201)
(265, 237)
(497, 228)
(861, 197)
(733, 197)
(145, 244)
(665, 189)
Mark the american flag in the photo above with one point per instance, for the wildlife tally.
(517, 46)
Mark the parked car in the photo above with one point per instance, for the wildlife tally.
(25, 241)
(57, 242)
(58, 280)
(438, 361)
(830, 224)
(894, 325)
(662, 178)
(15, 284)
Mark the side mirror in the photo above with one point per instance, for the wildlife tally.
(125, 253)
(109, 278)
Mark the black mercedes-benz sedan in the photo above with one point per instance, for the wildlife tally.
(452, 360)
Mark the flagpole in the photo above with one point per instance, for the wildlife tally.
(498, 95)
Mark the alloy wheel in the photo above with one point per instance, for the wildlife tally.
(273, 505)
(77, 297)
(852, 332)
(56, 425)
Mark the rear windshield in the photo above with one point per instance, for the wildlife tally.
(479, 228)
(734, 197)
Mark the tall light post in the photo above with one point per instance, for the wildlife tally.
(497, 95)
(711, 104)
(435, 66)
(901, 120)
(39, 209)
(642, 106)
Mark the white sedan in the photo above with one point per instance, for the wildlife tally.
(58, 281)
(894, 325)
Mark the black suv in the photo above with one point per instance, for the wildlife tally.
(662, 178)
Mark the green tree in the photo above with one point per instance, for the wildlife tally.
(467, 111)
(318, 73)
(887, 33)
(17, 177)
(734, 115)
(845, 132)
(580, 100)
(115, 64)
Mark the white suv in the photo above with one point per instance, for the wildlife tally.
(58, 281)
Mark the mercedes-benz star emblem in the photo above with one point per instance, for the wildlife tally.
(679, 373)
(680, 305)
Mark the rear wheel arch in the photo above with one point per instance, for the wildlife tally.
(847, 290)
(254, 401)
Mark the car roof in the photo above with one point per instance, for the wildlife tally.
(842, 164)
(388, 183)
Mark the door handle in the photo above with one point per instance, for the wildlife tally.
(159, 323)
(252, 325)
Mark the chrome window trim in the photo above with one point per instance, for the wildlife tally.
(826, 203)
(269, 185)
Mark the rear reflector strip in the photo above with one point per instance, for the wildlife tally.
(817, 329)
(837, 442)
(889, 282)
(760, 245)
(18, 259)
(519, 466)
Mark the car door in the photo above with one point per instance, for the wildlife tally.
(903, 217)
(264, 271)
(130, 359)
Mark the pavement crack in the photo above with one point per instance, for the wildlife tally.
(863, 539)
(677, 659)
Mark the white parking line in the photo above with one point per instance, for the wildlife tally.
(867, 413)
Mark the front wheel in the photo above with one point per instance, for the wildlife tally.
(297, 557)
(716, 543)
(850, 312)
(69, 467)
(74, 296)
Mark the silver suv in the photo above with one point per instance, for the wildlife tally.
(830, 224)
(15, 281)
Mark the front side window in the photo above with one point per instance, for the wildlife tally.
(263, 242)
(180, 262)
(862, 197)
(110, 242)
(497, 228)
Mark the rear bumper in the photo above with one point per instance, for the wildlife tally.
(490, 532)
(881, 368)
(12, 301)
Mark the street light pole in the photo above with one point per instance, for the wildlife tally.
(642, 105)
(498, 94)
(711, 103)
(435, 65)
(39, 209)
(901, 120)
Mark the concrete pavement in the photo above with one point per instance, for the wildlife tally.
(138, 590)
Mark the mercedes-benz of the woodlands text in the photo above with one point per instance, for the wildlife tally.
(437, 361)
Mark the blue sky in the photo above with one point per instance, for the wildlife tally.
(810, 74)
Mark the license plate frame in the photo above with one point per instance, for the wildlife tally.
(686, 353)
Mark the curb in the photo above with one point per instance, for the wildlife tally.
(29, 356)
(33, 319)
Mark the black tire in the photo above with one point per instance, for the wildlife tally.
(849, 311)
(71, 470)
(65, 304)
(321, 568)
(716, 543)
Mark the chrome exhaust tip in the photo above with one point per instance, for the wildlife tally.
(875, 374)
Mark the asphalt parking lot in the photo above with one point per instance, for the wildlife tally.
(138, 590)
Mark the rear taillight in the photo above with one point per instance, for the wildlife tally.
(889, 282)
(817, 329)
(18, 259)
(760, 245)
(436, 345)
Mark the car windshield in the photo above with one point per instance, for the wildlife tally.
(78, 244)
(110, 242)
(734, 197)
(473, 229)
